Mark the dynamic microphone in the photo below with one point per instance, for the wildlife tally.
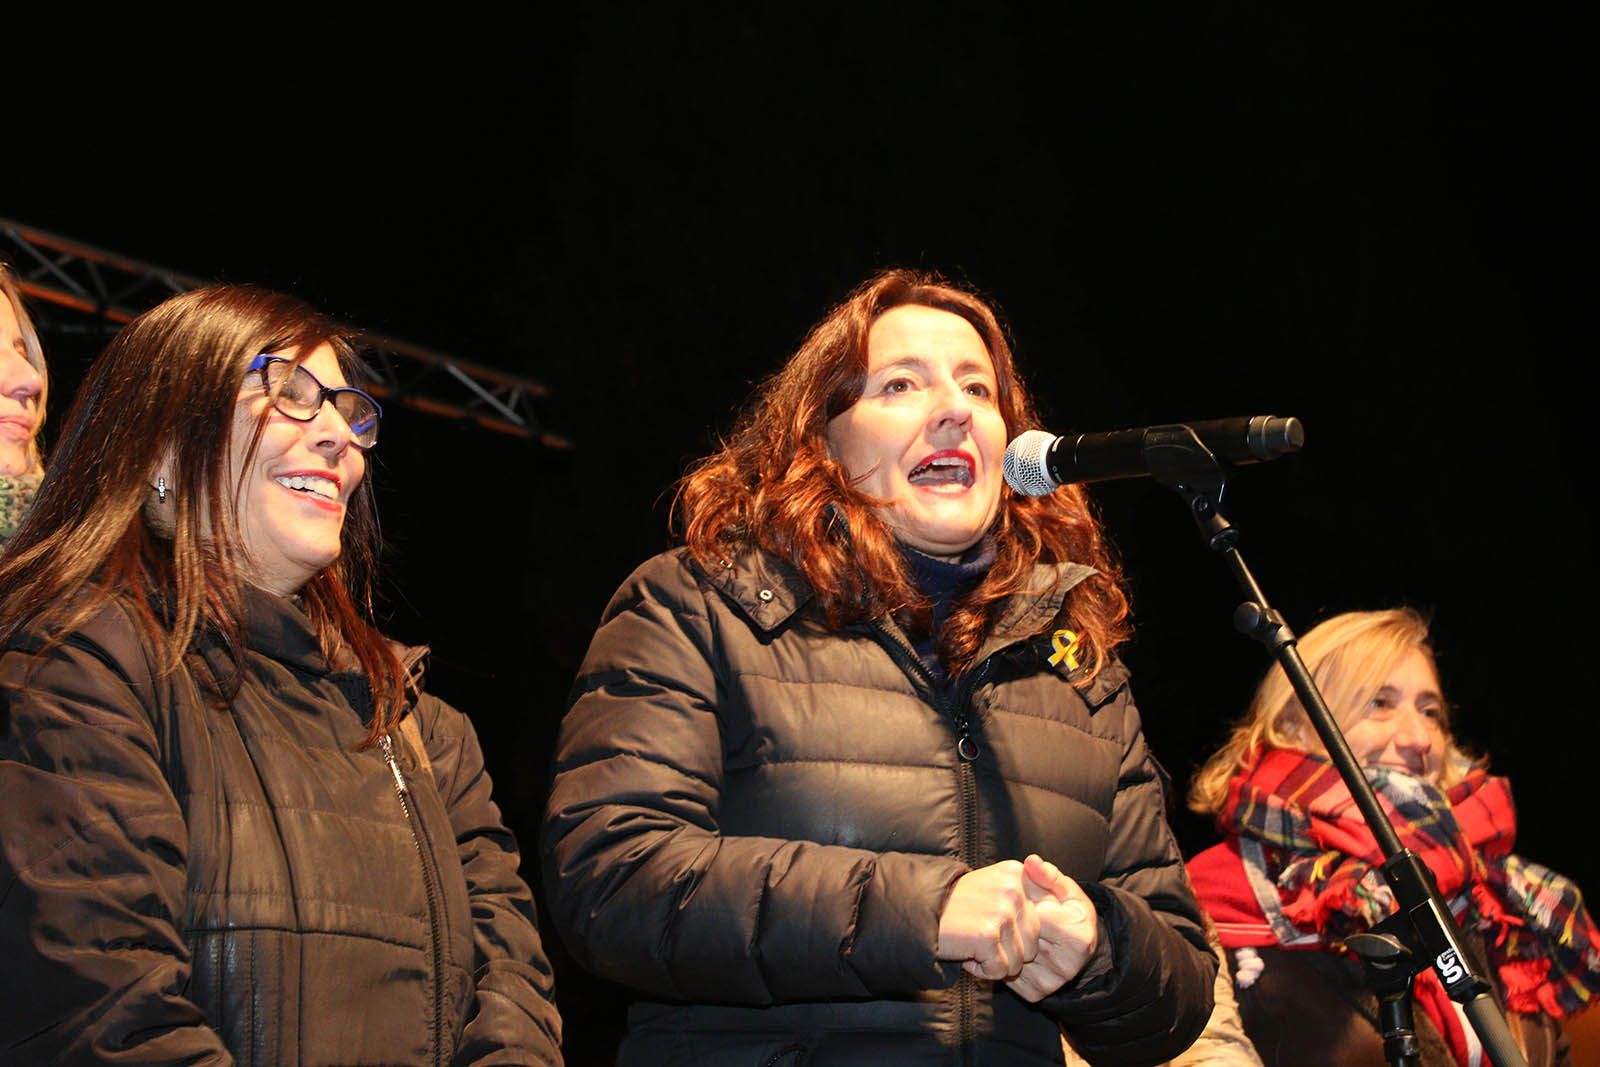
(1037, 463)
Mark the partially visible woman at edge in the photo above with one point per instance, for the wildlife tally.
(1295, 873)
(22, 395)
(234, 830)
(854, 777)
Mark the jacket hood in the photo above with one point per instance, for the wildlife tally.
(766, 590)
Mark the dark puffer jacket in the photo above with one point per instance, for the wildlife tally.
(757, 822)
(182, 883)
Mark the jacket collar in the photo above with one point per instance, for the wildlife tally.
(1033, 609)
(768, 592)
(277, 628)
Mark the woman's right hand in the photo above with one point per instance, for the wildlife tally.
(1069, 930)
(989, 922)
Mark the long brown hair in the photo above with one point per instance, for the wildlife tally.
(774, 485)
(10, 291)
(1350, 656)
(164, 392)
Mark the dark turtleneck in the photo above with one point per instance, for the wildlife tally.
(942, 582)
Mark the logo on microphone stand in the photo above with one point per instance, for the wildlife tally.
(1449, 965)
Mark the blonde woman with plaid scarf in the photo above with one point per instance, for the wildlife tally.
(1295, 875)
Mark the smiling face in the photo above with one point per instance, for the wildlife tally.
(1404, 725)
(927, 435)
(293, 492)
(20, 385)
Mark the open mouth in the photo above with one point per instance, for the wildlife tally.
(945, 469)
(312, 485)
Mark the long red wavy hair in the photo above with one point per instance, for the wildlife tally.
(774, 485)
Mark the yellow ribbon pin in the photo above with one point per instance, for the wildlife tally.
(1065, 643)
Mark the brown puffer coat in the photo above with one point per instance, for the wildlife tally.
(756, 822)
(1310, 1008)
(186, 884)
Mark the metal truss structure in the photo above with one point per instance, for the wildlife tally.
(115, 288)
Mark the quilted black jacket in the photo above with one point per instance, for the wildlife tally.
(186, 884)
(756, 822)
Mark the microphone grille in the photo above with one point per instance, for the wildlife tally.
(1024, 464)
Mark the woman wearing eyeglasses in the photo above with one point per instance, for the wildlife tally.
(22, 392)
(234, 830)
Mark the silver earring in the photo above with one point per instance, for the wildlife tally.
(161, 490)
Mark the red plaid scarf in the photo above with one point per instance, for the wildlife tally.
(1542, 944)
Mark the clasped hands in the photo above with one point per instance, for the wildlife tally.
(1026, 924)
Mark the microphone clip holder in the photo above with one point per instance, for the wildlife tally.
(1389, 966)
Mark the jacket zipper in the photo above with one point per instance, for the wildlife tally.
(436, 933)
(966, 781)
(956, 710)
(797, 1051)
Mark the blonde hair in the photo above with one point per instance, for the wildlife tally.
(35, 355)
(1351, 656)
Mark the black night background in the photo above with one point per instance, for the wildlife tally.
(1375, 220)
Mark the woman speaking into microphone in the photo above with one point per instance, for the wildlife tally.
(853, 775)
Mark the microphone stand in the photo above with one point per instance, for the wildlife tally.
(1422, 932)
